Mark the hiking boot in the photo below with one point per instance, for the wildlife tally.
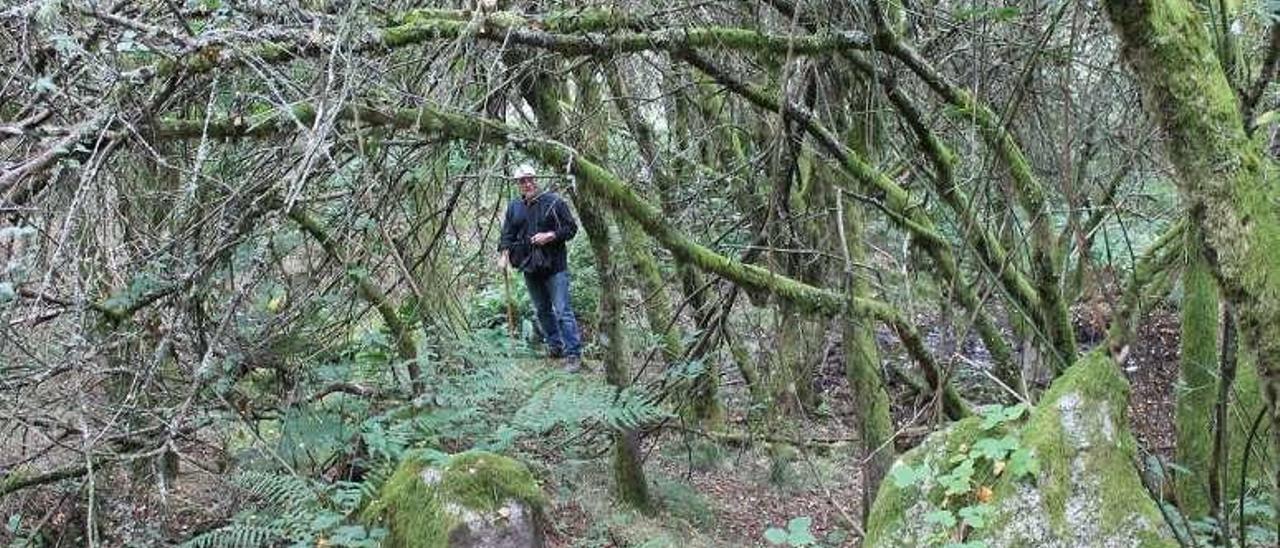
(555, 353)
(572, 364)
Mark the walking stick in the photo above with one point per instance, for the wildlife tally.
(511, 304)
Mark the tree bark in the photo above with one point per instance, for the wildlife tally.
(1231, 186)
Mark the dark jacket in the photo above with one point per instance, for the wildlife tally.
(548, 212)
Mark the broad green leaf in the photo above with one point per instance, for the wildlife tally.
(996, 415)
(1023, 463)
(957, 482)
(941, 517)
(798, 532)
(904, 476)
(775, 536)
(976, 516)
(995, 449)
(799, 524)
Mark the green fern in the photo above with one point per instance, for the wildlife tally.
(235, 536)
(482, 397)
(277, 490)
(290, 508)
(577, 403)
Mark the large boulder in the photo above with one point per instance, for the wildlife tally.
(1065, 478)
(470, 500)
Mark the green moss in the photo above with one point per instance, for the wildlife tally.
(410, 509)
(1096, 380)
(871, 401)
(1054, 482)
(586, 19)
(484, 481)
(1107, 502)
(417, 514)
(14, 478)
(1246, 401)
(1121, 495)
(1197, 392)
(420, 29)
(1223, 172)
(888, 514)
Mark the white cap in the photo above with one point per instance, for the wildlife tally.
(523, 170)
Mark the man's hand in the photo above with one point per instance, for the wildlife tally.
(543, 238)
(504, 260)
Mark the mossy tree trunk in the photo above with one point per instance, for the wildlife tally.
(862, 369)
(1229, 183)
(705, 406)
(629, 478)
(1197, 378)
(861, 354)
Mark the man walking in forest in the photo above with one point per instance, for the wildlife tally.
(535, 230)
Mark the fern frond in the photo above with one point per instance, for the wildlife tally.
(578, 403)
(235, 535)
(284, 491)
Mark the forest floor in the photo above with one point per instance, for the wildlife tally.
(711, 491)
(714, 494)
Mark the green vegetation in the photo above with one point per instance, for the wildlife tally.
(877, 273)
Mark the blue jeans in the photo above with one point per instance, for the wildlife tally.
(550, 295)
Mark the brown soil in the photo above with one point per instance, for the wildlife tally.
(1153, 377)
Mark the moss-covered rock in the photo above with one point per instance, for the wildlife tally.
(1086, 493)
(474, 499)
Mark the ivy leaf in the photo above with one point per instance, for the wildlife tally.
(1023, 463)
(941, 517)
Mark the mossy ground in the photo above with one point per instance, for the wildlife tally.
(417, 514)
